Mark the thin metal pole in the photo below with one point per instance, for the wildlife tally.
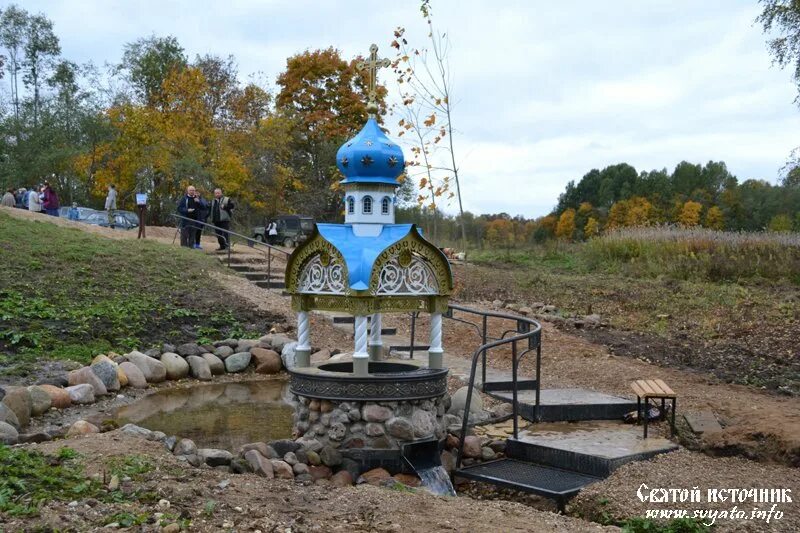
(413, 328)
(514, 389)
(483, 341)
(229, 249)
(269, 267)
(537, 416)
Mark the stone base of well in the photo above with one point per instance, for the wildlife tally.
(370, 419)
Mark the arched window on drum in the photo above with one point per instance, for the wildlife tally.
(386, 205)
(366, 207)
(351, 205)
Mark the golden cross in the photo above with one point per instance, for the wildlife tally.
(372, 65)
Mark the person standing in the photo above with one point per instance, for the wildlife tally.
(272, 232)
(202, 216)
(8, 199)
(221, 207)
(35, 200)
(187, 208)
(50, 200)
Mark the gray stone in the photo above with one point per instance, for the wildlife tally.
(135, 376)
(155, 353)
(85, 375)
(288, 355)
(240, 466)
(40, 400)
(175, 365)
(56, 381)
(30, 438)
(354, 415)
(282, 469)
(374, 430)
(487, 454)
(185, 447)
(199, 368)
(291, 458)
(106, 371)
(260, 464)
(215, 364)
(237, 362)
(284, 446)
(459, 400)
(223, 352)
(188, 349)
(244, 345)
(330, 456)
(313, 458)
(424, 423)
(376, 413)
(227, 342)
(153, 370)
(302, 456)
(194, 460)
(133, 429)
(18, 399)
(81, 394)
(166, 347)
(9, 416)
(170, 442)
(310, 444)
(300, 469)
(8, 434)
(214, 457)
(278, 341)
(337, 431)
(400, 428)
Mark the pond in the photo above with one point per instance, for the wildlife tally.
(221, 415)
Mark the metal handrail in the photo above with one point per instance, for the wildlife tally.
(529, 329)
(249, 240)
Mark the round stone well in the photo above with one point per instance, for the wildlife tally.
(371, 419)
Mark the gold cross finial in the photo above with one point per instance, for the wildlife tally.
(372, 65)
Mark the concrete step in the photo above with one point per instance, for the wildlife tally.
(274, 284)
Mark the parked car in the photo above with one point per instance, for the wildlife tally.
(120, 220)
(83, 212)
(292, 230)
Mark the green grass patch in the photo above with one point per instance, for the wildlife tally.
(68, 294)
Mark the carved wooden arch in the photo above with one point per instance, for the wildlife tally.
(315, 249)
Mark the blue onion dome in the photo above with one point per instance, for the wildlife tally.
(370, 157)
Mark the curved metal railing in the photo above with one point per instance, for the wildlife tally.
(527, 330)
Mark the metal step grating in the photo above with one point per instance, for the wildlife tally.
(528, 477)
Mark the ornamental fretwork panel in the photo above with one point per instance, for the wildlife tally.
(322, 275)
(405, 275)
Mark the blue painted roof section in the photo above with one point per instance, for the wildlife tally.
(370, 157)
(360, 253)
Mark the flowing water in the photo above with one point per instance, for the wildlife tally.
(437, 481)
(221, 415)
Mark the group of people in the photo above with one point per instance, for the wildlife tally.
(195, 211)
(41, 199)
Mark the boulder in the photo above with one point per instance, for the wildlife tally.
(237, 362)
(472, 446)
(342, 478)
(374, 476)
(81, 394)
(185, 447)
(198, 368)
(56, 381)
(409, 480)
(188, 349)
(166, 347)
(244, 345)
(375, 413)
(299, 469)
(240, 466)
(223, 352)
(400, 428)
(214, 457)
(284, 446)
(155, 353)
(86, 376)
(459, 400)
(82, 427)
(374, 430)
(175, 365)
(8, 433)
(278, 341)
(448, 461)
(214, 363)
(153, 370)
(40, 400)
(320, 472)
(291, 458)
(330, 456)
(122, 377)
(261, 447)
(266, 361)
(288, 355)
(487, 454)
(313, 458)
(18, 399)
(424, 423)
(8, 416)
(106, 371)
(135, 376)
(282, 469)
(227, 342)
(260, 464)
(139, 431)
(320, 356)
(59, 398)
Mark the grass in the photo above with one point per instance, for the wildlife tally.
(67, 294)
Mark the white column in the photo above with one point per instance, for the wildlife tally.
(361, 355)
(303, 350)
(375, 342)
(435, 358)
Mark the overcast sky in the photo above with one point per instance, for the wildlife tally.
(543, 91)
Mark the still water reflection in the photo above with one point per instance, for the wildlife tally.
(222, 415)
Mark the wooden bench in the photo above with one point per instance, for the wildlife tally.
(654, 389)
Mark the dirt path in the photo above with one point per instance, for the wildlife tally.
(249, 503)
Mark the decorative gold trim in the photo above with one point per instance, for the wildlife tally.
(315, 245)
(414, 243)
(367, 305)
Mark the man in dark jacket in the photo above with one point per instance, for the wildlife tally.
(221, 208)
(188, 208)
(202, 217)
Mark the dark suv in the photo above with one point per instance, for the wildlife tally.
(292, 230)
